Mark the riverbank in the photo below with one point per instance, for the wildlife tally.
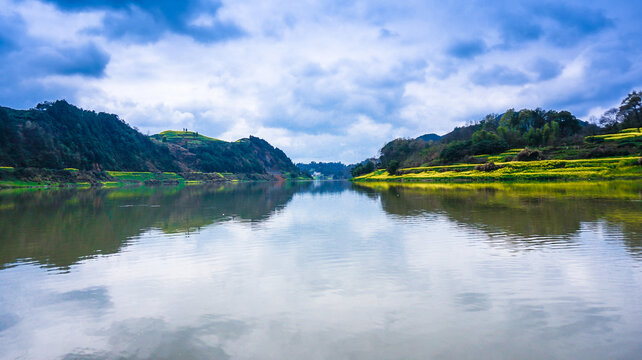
(543, 170)
(47, 178)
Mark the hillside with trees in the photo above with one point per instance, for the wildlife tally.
(542, 134)
(247, 155)
(59, 135)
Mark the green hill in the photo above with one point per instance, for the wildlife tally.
(515, 136)
(59, 135)
(248, 155)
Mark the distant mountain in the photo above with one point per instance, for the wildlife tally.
(326, 170)
(59, 135)
(429, 137)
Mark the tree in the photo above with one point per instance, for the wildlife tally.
(401, 149)
(555, 130)
(486, 142)
(534, 136)
(546, 134)
(363, 168)
(455, 150)
(393, 166)
(610, 120)
(631, 110)
(569, 125)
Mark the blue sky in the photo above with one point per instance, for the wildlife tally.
(321, 80)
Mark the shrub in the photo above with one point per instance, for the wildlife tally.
(529, 155)
(468, 159)
(490, 166)
(594, 139)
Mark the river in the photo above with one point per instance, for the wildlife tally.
(323, 270)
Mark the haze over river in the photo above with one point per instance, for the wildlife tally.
(326, 270)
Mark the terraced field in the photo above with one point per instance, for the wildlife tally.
(584, 169)
(628, 135)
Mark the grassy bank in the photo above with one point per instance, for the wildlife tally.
(584, 169)
(47, 178)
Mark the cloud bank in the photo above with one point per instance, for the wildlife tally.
(321, 80)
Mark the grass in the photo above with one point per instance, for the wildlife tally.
(584, 169)
(112, 184)
(140, 176)
(119, 179)
(631, 134)
(18, 184)
(506, 155)
(193, 182)
(185, 136)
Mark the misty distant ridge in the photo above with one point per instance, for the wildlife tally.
(429, 137)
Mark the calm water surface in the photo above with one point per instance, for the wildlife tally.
(323, 271)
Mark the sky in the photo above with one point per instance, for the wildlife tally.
(321, 80)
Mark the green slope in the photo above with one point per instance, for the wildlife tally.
(247, 155)
(59, 135)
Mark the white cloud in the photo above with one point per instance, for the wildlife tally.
(306, 75)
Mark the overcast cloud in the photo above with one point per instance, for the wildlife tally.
(321, 80)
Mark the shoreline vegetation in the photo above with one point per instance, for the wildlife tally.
(519, 145)
(11, 177)
(624, 168)
(57, 144)
(97, 149)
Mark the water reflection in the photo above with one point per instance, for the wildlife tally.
(57, 228)
(321, 270)
(523, 215)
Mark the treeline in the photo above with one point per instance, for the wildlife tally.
(365, 167)
(494, 134)
(59, 135)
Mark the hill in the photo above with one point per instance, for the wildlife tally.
(248, 155)
(547, 134)
(59, 135)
